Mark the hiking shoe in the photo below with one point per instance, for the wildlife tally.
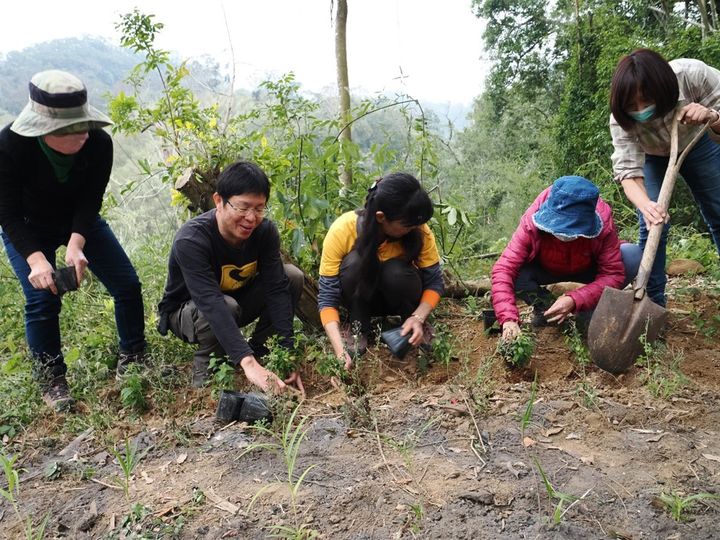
(56, 395)
(126, 359)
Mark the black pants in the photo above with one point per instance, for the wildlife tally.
(398, 290)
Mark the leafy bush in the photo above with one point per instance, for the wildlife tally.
(517, 352)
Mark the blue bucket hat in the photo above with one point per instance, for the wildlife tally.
(569, 211)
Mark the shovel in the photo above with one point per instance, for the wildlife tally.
(621, 318)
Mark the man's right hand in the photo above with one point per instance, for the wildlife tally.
(511, 330)
(41, 272)
(263, 378)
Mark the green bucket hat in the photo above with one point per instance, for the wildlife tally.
(58, 100)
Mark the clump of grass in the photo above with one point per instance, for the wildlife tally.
(678, 505)
(128, 461)
(12, 479)
(561, 498)
(660, 374)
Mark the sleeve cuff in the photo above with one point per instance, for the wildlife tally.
(430, 297)
(328, 315)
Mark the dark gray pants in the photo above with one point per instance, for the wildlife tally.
(189, 324)
(398, 291)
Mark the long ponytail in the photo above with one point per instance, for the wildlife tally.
(401, 198)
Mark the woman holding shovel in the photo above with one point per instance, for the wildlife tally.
(567, 234)
(647, 92)
(380, 260)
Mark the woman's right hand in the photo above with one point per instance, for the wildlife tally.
(510, 330)
(41, 272)
(653, 214)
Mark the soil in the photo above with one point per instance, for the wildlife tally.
(429, 454)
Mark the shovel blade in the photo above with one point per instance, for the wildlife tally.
(616, 326)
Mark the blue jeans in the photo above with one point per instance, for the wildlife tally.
(701, 172)
(108, 261)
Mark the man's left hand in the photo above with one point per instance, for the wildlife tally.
(560, 310)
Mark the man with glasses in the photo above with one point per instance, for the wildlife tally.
(225, 272)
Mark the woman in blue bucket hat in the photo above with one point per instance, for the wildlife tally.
(567, 234)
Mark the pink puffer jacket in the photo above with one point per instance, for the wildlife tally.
(523, 248)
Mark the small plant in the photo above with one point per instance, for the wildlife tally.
(562, 498)
(574, 341)
(527, 415)
(663, 380)
(127, 460)
(279, 359)
(287, 444)
(132, 392)
(12, 478)
(443, 345)
(329, 365)
(409, 442)
(223, 377)
(415, 518)
(678, 505)
(517, 352)
(587, 393)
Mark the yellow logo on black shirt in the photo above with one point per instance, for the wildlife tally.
(235, 277)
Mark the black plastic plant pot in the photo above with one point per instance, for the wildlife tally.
(489, 320)
(229, 405)
(398, 345)
(255, 409)
(65, 280)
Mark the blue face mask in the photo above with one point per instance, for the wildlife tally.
(643, 116)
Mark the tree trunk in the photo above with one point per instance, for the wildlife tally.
(198, 187)
(343, 88)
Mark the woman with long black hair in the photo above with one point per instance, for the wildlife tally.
(380, 260)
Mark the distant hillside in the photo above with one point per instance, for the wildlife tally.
(99, 63)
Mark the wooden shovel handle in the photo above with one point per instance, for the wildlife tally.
(668, 184)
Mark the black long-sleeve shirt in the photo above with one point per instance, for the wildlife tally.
(34, 204)
(204, 267)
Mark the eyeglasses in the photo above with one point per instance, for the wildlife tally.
(260, 211)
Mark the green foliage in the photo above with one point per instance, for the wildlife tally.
(11, 494)
(223, 374)
(287, 444)
(128, 460)
(685, 243)
(518, 351)
(443, 345)
(577, 346)
(280, 360)
(527, 415)
(660, 372)
(562, 498)
(678, 505)
(132, 390)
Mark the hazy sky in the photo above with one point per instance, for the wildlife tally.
(435, 44)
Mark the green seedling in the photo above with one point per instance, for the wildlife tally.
(287, 444)
(562, 498)
(329, 365)
(576, 344)
(662, 378)
(517, 352)
(132, 392)
(527, 415)
(11, 494)
(223, 377)
(279, 359)
(409, 442)
(678, 505)
(128, 461)
(443, 346)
